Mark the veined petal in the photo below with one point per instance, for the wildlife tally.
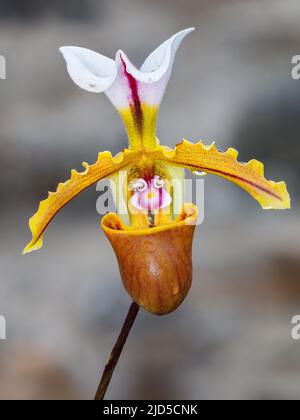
(135, 93)
(154, 74)
(249, 176)
(105, 166)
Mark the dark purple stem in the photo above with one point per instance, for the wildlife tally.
(116, 351)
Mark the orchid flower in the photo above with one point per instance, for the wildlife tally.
(154, 250)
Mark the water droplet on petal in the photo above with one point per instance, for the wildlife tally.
(199, 173)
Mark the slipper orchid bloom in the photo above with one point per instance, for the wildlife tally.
(154, 250)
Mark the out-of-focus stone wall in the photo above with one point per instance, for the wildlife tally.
(25, 10)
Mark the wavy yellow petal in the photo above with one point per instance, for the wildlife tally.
(105, 166)
(249, 176)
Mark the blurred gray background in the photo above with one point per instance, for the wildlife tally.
(231, 339)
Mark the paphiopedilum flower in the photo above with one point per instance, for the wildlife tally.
(154, 250)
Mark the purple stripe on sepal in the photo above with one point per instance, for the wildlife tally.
(135, 101)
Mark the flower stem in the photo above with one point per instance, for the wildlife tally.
(116, 351)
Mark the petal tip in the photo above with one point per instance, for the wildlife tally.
(26, 250)
(250, 176)
(189, 30)
(62, 49)
(66, 50)
(284, 200)
(118, 55)
(33, 246)
(121, 58)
